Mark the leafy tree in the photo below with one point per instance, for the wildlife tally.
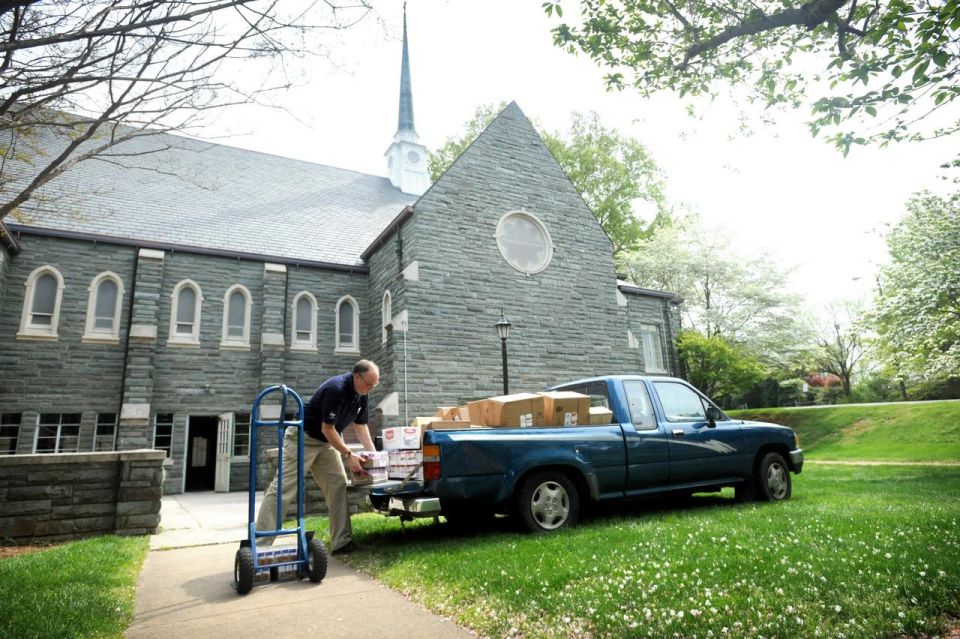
(78, 78)
(742, 299)
(917, 314)
(613, 173)
(717, 367)
(895, 62)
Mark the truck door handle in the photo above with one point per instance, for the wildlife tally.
(678, 432)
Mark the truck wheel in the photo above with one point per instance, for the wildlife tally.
(243, 570)
(773, 478)
(316, 561)
(548, 501)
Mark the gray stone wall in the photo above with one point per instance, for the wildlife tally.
(66, 375)
(566, 320)
(58, 497)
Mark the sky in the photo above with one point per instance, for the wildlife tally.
(778, 191)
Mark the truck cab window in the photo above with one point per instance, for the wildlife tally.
(680, 403)
(641, 412)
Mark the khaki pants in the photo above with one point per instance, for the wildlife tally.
(324, 463)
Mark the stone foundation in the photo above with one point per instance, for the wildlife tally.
(74, 495)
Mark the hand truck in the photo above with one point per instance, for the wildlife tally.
(311, 557)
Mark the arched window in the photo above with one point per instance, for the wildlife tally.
(386, 315)
(185, 303)
(104, 304)
(236, 318)
(348, 326)
(304, 323)
(41, 304)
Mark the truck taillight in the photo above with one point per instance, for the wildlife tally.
(431, 462)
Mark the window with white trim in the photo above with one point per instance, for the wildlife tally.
(652, 349)
(105, 435)
(241, 435)
(41, 304)
(9, 432)
(236, 318)
(386, 315)
(163, 432)
(104, 303)
(348, 323)
(304, 320)
(186, 301)
(57, 433)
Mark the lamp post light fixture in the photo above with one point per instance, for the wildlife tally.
(503, 330)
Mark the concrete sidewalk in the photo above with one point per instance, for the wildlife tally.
(185, 588)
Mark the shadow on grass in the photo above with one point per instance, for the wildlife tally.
(502, 527)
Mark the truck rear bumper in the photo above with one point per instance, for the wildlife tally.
(796, 460)
(414, 506)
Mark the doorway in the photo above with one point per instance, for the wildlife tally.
(201, 453)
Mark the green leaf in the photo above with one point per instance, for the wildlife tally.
(940, 58)
(871, 110)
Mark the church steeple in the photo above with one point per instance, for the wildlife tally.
(406, 157)
(405, 121)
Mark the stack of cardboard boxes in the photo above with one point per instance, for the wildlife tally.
(402, 445)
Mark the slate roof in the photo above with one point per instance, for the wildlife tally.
(185, 193)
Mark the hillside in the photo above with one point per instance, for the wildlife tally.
(923, 431)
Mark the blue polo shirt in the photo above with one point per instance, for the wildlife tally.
(335, 402)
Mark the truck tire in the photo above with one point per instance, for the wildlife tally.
(316, 560)
(548, 501)
(243, 571)
(773, 482)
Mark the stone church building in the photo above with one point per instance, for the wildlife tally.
(145, 306)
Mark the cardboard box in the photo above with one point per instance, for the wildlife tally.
(422, 421)
(401, 472)
(442, 424)
(600, 415)
(378, 459)
(446, 412)
(405, 457)
(475, 411)
(519, 410)
(566, 408)
(463, 414)
(401, 438)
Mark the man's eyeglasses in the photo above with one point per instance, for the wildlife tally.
(368, 384)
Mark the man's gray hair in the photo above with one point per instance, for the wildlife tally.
(365, 366)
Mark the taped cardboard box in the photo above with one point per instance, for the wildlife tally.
(600, 415)
(566, 408)
(519, 410)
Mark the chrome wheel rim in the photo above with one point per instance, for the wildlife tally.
(777, 481)
(550, 505)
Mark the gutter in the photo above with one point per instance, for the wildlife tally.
(168, 246)
(636, 290)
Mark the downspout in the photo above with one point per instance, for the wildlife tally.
(126, 345)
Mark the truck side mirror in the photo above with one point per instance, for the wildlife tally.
(713, 414)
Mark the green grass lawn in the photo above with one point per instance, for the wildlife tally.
(79, 589)
(860, 551)
(893, 432)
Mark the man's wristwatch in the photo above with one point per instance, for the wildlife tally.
(346, 456)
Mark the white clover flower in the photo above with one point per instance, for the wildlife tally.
(799, 621)
(901, 614)
(837, 608)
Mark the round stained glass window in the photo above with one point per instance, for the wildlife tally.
(524, 242)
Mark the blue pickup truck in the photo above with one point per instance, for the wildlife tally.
(665, 438)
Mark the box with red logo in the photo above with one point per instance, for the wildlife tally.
(401, 438)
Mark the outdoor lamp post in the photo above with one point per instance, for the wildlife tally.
(503, 330)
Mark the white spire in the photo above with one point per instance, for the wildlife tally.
(406, 157)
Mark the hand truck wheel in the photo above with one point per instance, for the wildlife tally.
(243, 571)
(316, 561)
